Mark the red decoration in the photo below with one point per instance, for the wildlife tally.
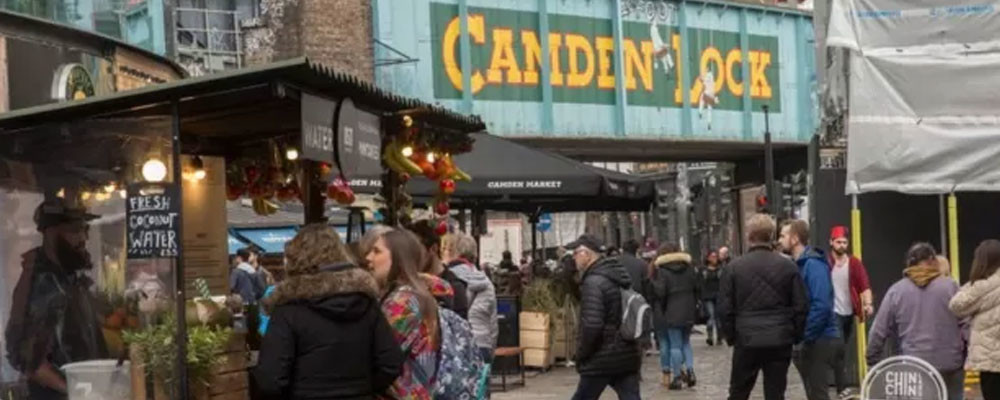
(441, 208)
(442, 228)
(251, 173)
(340, 191)
(234, 191)
(447, 186)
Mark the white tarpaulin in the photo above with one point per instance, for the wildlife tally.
(924, 94)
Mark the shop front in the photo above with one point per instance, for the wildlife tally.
(114, 218)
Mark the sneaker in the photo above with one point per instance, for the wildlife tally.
(847, 394)
(690, 378)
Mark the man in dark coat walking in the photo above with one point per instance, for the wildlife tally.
(638, 270)
(763, 308)
(603, 357)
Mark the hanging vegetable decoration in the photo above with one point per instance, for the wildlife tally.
(407, 153)
(264, 181)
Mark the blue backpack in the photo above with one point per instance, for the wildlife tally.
(460, 367)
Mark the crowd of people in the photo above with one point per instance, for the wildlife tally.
(418, 317)
(410, 309)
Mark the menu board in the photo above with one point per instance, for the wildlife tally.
(153, 215)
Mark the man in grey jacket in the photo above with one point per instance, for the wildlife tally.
(459, 254)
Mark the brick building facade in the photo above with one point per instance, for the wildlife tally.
(337, 33)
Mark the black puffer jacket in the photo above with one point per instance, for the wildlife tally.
(327, 339)
(709, 281)
(601, 350)
(762, 300)
(675, 292)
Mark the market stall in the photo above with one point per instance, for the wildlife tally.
(128, 191)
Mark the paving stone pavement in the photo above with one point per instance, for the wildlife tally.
(712, 365)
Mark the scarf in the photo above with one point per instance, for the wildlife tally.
(921, 275)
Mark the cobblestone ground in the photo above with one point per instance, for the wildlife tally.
(711, 367)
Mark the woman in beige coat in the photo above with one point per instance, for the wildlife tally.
(980, 299)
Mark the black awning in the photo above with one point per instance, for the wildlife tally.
(510, 176)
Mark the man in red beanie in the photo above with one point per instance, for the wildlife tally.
(852, 298)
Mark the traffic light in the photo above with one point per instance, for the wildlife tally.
(800, 188)
(664, 200)
(761, 202)
(787, 202)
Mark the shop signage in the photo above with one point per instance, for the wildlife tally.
(360, 138)
(524, 184)
(507, 58)
(72, 82)
(904, 378)
(153, 220)
(317, 128)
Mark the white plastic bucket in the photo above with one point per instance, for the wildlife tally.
(98, 380)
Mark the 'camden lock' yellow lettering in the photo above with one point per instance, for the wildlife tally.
(589, 58)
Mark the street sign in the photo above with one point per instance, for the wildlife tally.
(544, 222)
(904, 378)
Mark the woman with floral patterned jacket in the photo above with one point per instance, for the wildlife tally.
(409, 303)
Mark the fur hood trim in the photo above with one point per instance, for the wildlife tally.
(673, 258)
(322, 284)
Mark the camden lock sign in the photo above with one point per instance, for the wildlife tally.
(904, 378)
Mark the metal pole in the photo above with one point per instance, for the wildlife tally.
(181, 333)
(943, 213)
(861, 322)
(953, 235)
(772, 198)
(534, 239)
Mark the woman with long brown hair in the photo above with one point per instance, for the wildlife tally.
(395, 257)
(980, 300)
(326, 309)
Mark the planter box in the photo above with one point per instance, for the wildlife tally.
(534, 321)
(563, 349)
(538, 358)
(536, 339)
(228, 381)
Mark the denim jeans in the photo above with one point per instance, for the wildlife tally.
(681, 355)
(663, 336)
(713, 323)
(591, 387)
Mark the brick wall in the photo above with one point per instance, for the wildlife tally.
(337, 33)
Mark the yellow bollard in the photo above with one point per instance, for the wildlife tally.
(861, 331)
(953, 236)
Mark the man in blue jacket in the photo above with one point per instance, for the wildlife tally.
(814, 359)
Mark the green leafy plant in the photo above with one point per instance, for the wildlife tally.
(158, 349)
(539, 296)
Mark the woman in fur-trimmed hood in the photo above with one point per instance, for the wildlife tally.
(674, 296)
(328, 309)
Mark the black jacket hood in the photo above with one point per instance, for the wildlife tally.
(341, 295)
(612, 269)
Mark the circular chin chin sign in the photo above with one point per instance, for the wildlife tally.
(904, 378)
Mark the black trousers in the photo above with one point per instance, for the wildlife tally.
(814, 361)
(989, 382)
(840, 360)
(747, 362)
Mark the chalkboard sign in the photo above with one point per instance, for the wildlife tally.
(153, 215)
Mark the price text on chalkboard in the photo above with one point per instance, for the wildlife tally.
(153, 215)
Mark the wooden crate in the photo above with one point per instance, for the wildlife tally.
(534, 321)
(564, 350)
(538, 358)
(536, 339)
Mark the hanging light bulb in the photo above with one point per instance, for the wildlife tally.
(101, 196)
(199, 168)
(109, 188)
(61, 193)
(85, 195)
(407, 151)
(123, 194)
(431, 157)
(291, 153)
(154, 170)
(407, 121)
